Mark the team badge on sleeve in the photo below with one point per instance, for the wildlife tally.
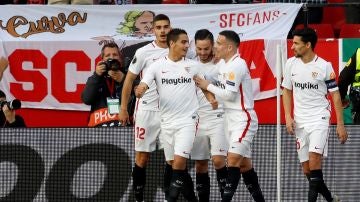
(231, 76)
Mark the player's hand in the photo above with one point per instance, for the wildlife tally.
(201, 83)
(100, 68)
(140, 90)
(9, 114)
(124, 117)
(341, 133)
(290, 125)
(214, 104)
(118, 76)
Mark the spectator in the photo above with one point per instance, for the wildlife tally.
(348, 77)
(147, 1)
(352, 12)
(78, 2)
(8, 117)
(214, 1)
(314, 14)
(103, 88)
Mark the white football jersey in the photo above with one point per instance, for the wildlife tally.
(209, 70)
(310, 84)
(177, 90)
(143, 58)
(234, 76)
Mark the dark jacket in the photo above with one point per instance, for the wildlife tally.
(18, 123)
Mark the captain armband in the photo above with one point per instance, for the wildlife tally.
(331, 84)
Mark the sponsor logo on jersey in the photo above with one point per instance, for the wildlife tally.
(176, 81)
(306, 85)
(187, 69)
(219, 84)
(230, 83)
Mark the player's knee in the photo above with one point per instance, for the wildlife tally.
(218, 161)
(142, 159)
(201, 166)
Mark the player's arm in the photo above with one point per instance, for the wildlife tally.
(287, 103)
(141, 89)
(211, 98)
(125, 96)
(340, 128)
(222, 93)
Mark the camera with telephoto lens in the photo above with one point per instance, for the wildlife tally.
(112, 64)
(14, 104)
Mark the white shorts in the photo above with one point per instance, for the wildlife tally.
(240, 139)
(146, 130)
(178, 141)
(210, 139)
(312, 138)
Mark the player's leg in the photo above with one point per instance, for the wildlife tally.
(232, 181)
(167, 178)
(250, 179)
(318, 136)
(202, 180)
(139, 174)
(167, 143)
(201, 154)
(219, 145)
(181, 181)
(146, 134)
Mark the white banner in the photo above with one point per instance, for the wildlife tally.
(52, 49)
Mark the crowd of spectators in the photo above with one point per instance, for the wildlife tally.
(315, 13)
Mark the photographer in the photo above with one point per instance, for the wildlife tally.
(103, 88)
(8, 118)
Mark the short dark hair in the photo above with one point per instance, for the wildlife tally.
(110, 45)
(159, 17)
(2, 94)
(307, 35)
(204, 34)
(174, 34)
(232, 36)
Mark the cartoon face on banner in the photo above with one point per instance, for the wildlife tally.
(137, 24)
